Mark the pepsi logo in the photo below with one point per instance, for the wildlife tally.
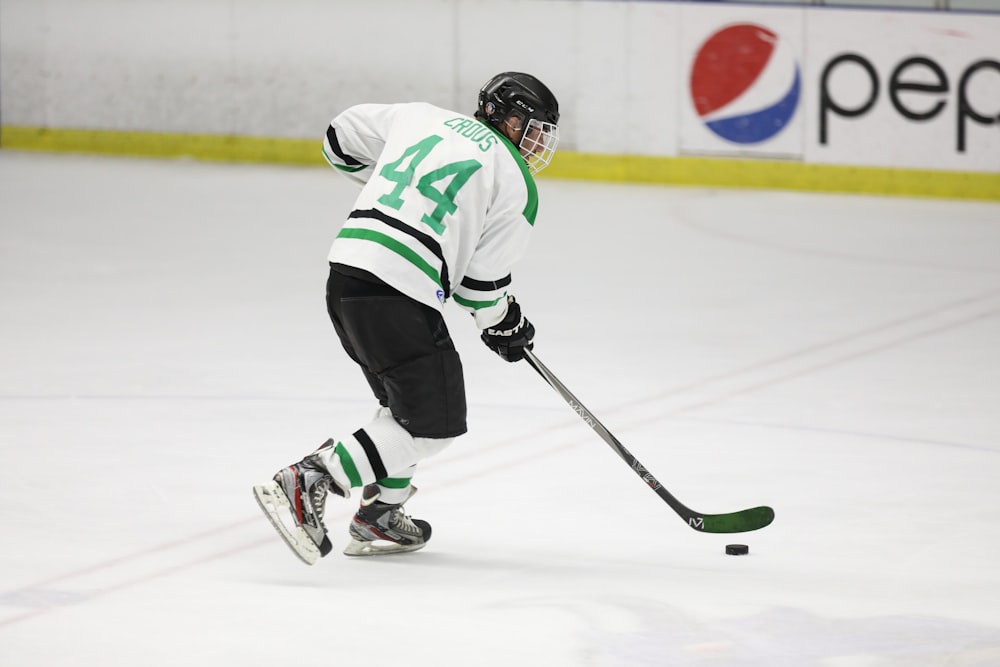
(745, 83)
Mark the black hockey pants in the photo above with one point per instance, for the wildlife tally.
(404, 350)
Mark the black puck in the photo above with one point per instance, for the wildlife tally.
(737, 549)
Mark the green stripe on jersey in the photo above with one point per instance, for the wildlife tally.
(475, 305)
(397, 247)
(342, 167)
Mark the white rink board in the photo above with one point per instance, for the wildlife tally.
(622, 70)
(276, 69)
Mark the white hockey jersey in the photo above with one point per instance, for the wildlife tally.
(446, 208)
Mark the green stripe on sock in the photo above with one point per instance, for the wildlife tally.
(347, 463)
(395, 482)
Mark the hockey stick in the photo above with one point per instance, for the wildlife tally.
(743, 521)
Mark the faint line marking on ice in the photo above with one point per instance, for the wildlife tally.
(39, 594)
(827, 254)
(169, 397)
(812, 349)
(848, 432)
(165, 546)
(840, 360)
(36, 589)
(805, 352)
(128, 583)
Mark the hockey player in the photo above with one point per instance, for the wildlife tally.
(446, 207)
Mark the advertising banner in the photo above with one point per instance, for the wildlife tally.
(908, 89)
(741, 81)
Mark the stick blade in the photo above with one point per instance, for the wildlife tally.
(743, 521)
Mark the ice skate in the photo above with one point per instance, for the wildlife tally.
(382, 528)
(294, 502)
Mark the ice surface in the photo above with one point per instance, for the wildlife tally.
(165, 346)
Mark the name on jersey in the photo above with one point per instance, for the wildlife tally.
(474, 131)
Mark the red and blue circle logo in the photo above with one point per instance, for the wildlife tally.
(745, 83)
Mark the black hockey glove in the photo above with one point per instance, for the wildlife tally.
(511, 335)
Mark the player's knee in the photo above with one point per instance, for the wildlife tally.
(427, 395)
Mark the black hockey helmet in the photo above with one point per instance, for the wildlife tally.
(515, 96)
(520, 94)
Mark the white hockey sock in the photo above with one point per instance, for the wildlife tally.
(396, 488)
(379, 450)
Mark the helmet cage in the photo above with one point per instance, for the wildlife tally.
(538, 144)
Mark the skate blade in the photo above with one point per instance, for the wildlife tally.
(271, 499)
(378, 547)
